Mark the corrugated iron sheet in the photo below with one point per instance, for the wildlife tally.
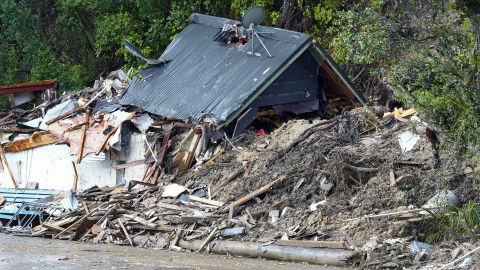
(206, 78)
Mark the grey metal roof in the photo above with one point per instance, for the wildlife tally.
(206, 78)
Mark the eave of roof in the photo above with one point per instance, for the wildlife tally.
(28, 87)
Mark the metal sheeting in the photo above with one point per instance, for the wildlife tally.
(206, 78)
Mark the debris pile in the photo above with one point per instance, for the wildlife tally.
(310, 184)
(353, 188)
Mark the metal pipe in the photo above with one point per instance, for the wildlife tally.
(284, 253)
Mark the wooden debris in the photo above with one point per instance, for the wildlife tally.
(76, 223)
(400, 113)
(125, 231)
(254, 194)
(37, 139)
(223, 183)
(311, 244)
(64, 115)
(4, 158)
(206, 201)
(84, 135)
(208, 239)
(110, 134)
(75, 177)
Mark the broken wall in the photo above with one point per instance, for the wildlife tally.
(51, 166)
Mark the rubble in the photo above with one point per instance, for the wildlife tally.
(311, 185)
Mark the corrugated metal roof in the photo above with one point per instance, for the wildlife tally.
(206, 78)
(209, 78)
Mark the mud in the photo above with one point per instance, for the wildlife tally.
(36, 253)
(360, 169)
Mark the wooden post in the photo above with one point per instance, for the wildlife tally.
(4, 157)
(75, 177)
(84, 135)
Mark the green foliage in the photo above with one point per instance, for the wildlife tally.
(461, 222)
(361, 37)
(427, 51)
(443, 80)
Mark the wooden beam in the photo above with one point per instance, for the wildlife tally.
(83, 137)
(37, 139)
(63, 115)
(75, 177)
(4, 157)
(131, 164)
(252, 195)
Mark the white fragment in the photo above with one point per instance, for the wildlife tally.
(407, 141)
(173, 191)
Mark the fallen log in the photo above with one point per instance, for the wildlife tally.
(331, 257)
(311, 244)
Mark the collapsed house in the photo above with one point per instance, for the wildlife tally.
(319, 191)
(175, 114)
(202, 78)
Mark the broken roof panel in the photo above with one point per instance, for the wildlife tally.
(206, 78)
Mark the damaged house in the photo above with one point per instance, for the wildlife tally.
(202, 77)
(217, 75)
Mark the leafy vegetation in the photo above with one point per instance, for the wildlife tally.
(422, 52)
(459, 224)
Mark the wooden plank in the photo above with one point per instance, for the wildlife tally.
(63, 115)
(125, 231)
(52, 227)
(18, 130)
(82, 138)
(254, 194)
(311, 244)
(170, 206)
(39, 230)
(4, 157)
(78, 221)
(37, 139)
(110, 134)
(20, 195)
(208, 239)
(75, 177)
(131, 164)
(206, 201)
(223, 183)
